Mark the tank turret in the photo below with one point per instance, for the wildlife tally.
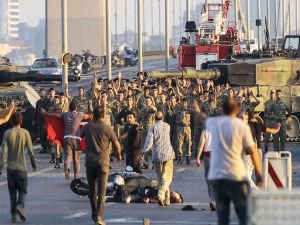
(259, 75)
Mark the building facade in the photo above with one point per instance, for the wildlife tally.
(9, 19)
(86, 27)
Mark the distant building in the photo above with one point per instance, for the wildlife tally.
(9, 19)
(86, 27)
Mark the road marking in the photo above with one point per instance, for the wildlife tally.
(76, 215)
(32, 174)
(180, 170)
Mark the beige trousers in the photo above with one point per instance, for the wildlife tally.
(164, 171)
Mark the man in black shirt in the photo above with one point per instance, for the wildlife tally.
(98, 138)
(133, 143)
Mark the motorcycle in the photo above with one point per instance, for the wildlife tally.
(87, 62)
(131, 57)
(75, 66)
(116, 59)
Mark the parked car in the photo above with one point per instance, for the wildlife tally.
(253, 46)
(46, 66)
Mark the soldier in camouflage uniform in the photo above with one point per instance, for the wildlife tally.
(198, 125)
(248, 105)
(210, 106)
(56, 151)
(155, 95)
(183, 122)
(268, 120)
(38, 120)
(279, 109)
(80, 101)
(147, 119)
(171, 120)
(162, 104)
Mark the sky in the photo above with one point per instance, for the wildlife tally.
(33, 10)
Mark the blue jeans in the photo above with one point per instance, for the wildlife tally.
(226, 191)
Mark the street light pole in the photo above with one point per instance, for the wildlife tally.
(276, 25)
(188, 12)
(159, 21)
(64, 16)
(248, 22)
(283, 19)
(116, 23)
(46, 29)
(258, 27)
(140, 33)
(126, 33)
(167, 20)
(108, 39)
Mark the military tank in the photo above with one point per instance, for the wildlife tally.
(260, 76)
(15, 86)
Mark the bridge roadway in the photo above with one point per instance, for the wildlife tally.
(51, 202)
(127, 73)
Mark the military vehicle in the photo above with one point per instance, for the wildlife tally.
(14, 86)
(260, 75)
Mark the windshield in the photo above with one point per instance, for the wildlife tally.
(252, 42)
(244, 42)
(50, 63)
(292, 43)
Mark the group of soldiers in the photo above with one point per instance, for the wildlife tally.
(184, 103)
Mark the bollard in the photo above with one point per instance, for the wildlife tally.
(146, 221)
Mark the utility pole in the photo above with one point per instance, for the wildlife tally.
(126, 33)
(140, 34)
(108, 39)
(167, 19)
(64, 16)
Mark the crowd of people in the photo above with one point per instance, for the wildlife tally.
(167, 119)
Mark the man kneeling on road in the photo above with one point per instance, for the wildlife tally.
(15, 141)
(158, 139)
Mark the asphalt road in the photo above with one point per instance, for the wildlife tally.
(127, 73)
(51, 202)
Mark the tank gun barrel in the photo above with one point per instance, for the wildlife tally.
(8, 76)
(187, 73)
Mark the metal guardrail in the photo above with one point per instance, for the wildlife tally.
(154, 53)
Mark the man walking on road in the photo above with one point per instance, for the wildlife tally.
(227, 173)
(15, 141)
(158, 139)
(71, 143)
(98, 138)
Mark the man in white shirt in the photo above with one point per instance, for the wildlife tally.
(159, 141)
(227, 173)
